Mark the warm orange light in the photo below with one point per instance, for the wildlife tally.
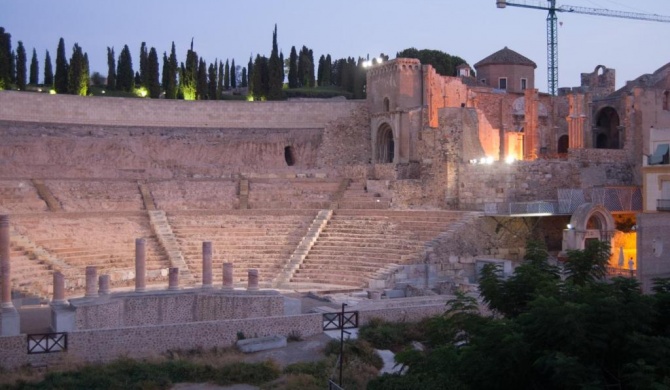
(622, 258)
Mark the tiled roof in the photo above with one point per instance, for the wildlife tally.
(505, 56)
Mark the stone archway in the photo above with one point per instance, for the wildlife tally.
(589, 221)
(385, 145)
(606, 131)
(563, 144)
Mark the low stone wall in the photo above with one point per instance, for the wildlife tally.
(173, 307)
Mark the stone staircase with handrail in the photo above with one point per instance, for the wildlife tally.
(166, 238)
(302, 249)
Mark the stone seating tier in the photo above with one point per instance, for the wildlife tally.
(20, 196)
(194, 194)
(99, 195)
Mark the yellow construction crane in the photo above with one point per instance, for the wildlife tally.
(552, 32)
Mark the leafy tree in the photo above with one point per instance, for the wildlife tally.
(275, 71)
(48, 72)
(97, 79)
(590, 264)
(226, 76)
(219, 86)
(444, 64)
(170, 83)
(250, 71)
(164, 73)
(212, 81)
(152, 84)
(34, 69)
(124, 71)
(61, 76)
(233, 75)
(21, 69)
(78, 76)
(111, 68)
(293, 69)
(5, 59)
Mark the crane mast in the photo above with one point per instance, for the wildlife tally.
(552, 31)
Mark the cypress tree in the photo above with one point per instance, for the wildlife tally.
(61, 76)
(5, 59)
(34, 69)
(233, 75)
(12, 67)
(189, 78)
(283, 68)
(219, 85)
(259, 80)
(319, 72)
(137, 80)
(328, 71)
(250, 71)
(21, 69)
(170, 85)
(111, 68)
(293, 69)
(310, 69)
(153, 86)
(201, 86)
(275, 71)
(226, 76)
(212, 81)
(244, 78)
(77, 73)
(164, 73)
(124, 71)
(144, 58)
(48, 71)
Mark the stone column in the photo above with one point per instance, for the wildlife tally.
(5, 270)
(173, 278)
(140, 265)
(252, 284)
(227, 276)
(207, 264)
(103, 285)
(58, 289)
(91, 281)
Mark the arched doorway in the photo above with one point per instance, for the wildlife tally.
(289, 156)
(385, 144)
(563, 144)
(589, 222)
(607, 129)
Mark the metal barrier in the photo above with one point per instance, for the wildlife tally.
(333, 386)
(341, 320)
(47, 343)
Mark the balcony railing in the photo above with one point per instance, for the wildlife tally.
(663, 204)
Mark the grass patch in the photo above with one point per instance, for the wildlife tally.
(391, 335)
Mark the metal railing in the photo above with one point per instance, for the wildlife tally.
(340, 320)
(47, 343)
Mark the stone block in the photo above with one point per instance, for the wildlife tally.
(261, 343)
(62, 318)
(394, 293)
(292, 306)
(10, 322)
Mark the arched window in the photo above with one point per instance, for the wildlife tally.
(563, 144)
(387, 105)
(289, 156)
(607, 130)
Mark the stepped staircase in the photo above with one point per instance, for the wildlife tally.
(302, 249)
(168, 241)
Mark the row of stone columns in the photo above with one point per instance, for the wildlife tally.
(99, 285)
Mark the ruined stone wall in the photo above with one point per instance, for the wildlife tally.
(101, 111)
(653, 244)
(170, 307)
(346, 140)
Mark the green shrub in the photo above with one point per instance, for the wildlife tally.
(319, 370)
(251, 373)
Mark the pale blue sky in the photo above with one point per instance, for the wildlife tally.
(471, 29)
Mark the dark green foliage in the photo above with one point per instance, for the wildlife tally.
(111, 69)
(61, 76)
(78, 73)
(48, 71)
(219, 85)
(324, 73)
(319, 370)
(152, 84)
(144, 63)
(293, 69)
(211, 81)
(306, 68)
(244, 78)
(386, 335)
(588, 265)
(233, 75)
(97, 80)
(5, 59)
(34, 69)
(275, 70)
(321, 93)
(226, 76)
(125, 80)
(188, 76)
(21, 69)
(170, 75)
(444, 64)
(259, 80)
(250, 71)
(201, 86)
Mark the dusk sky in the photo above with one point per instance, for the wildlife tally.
(470, 29)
